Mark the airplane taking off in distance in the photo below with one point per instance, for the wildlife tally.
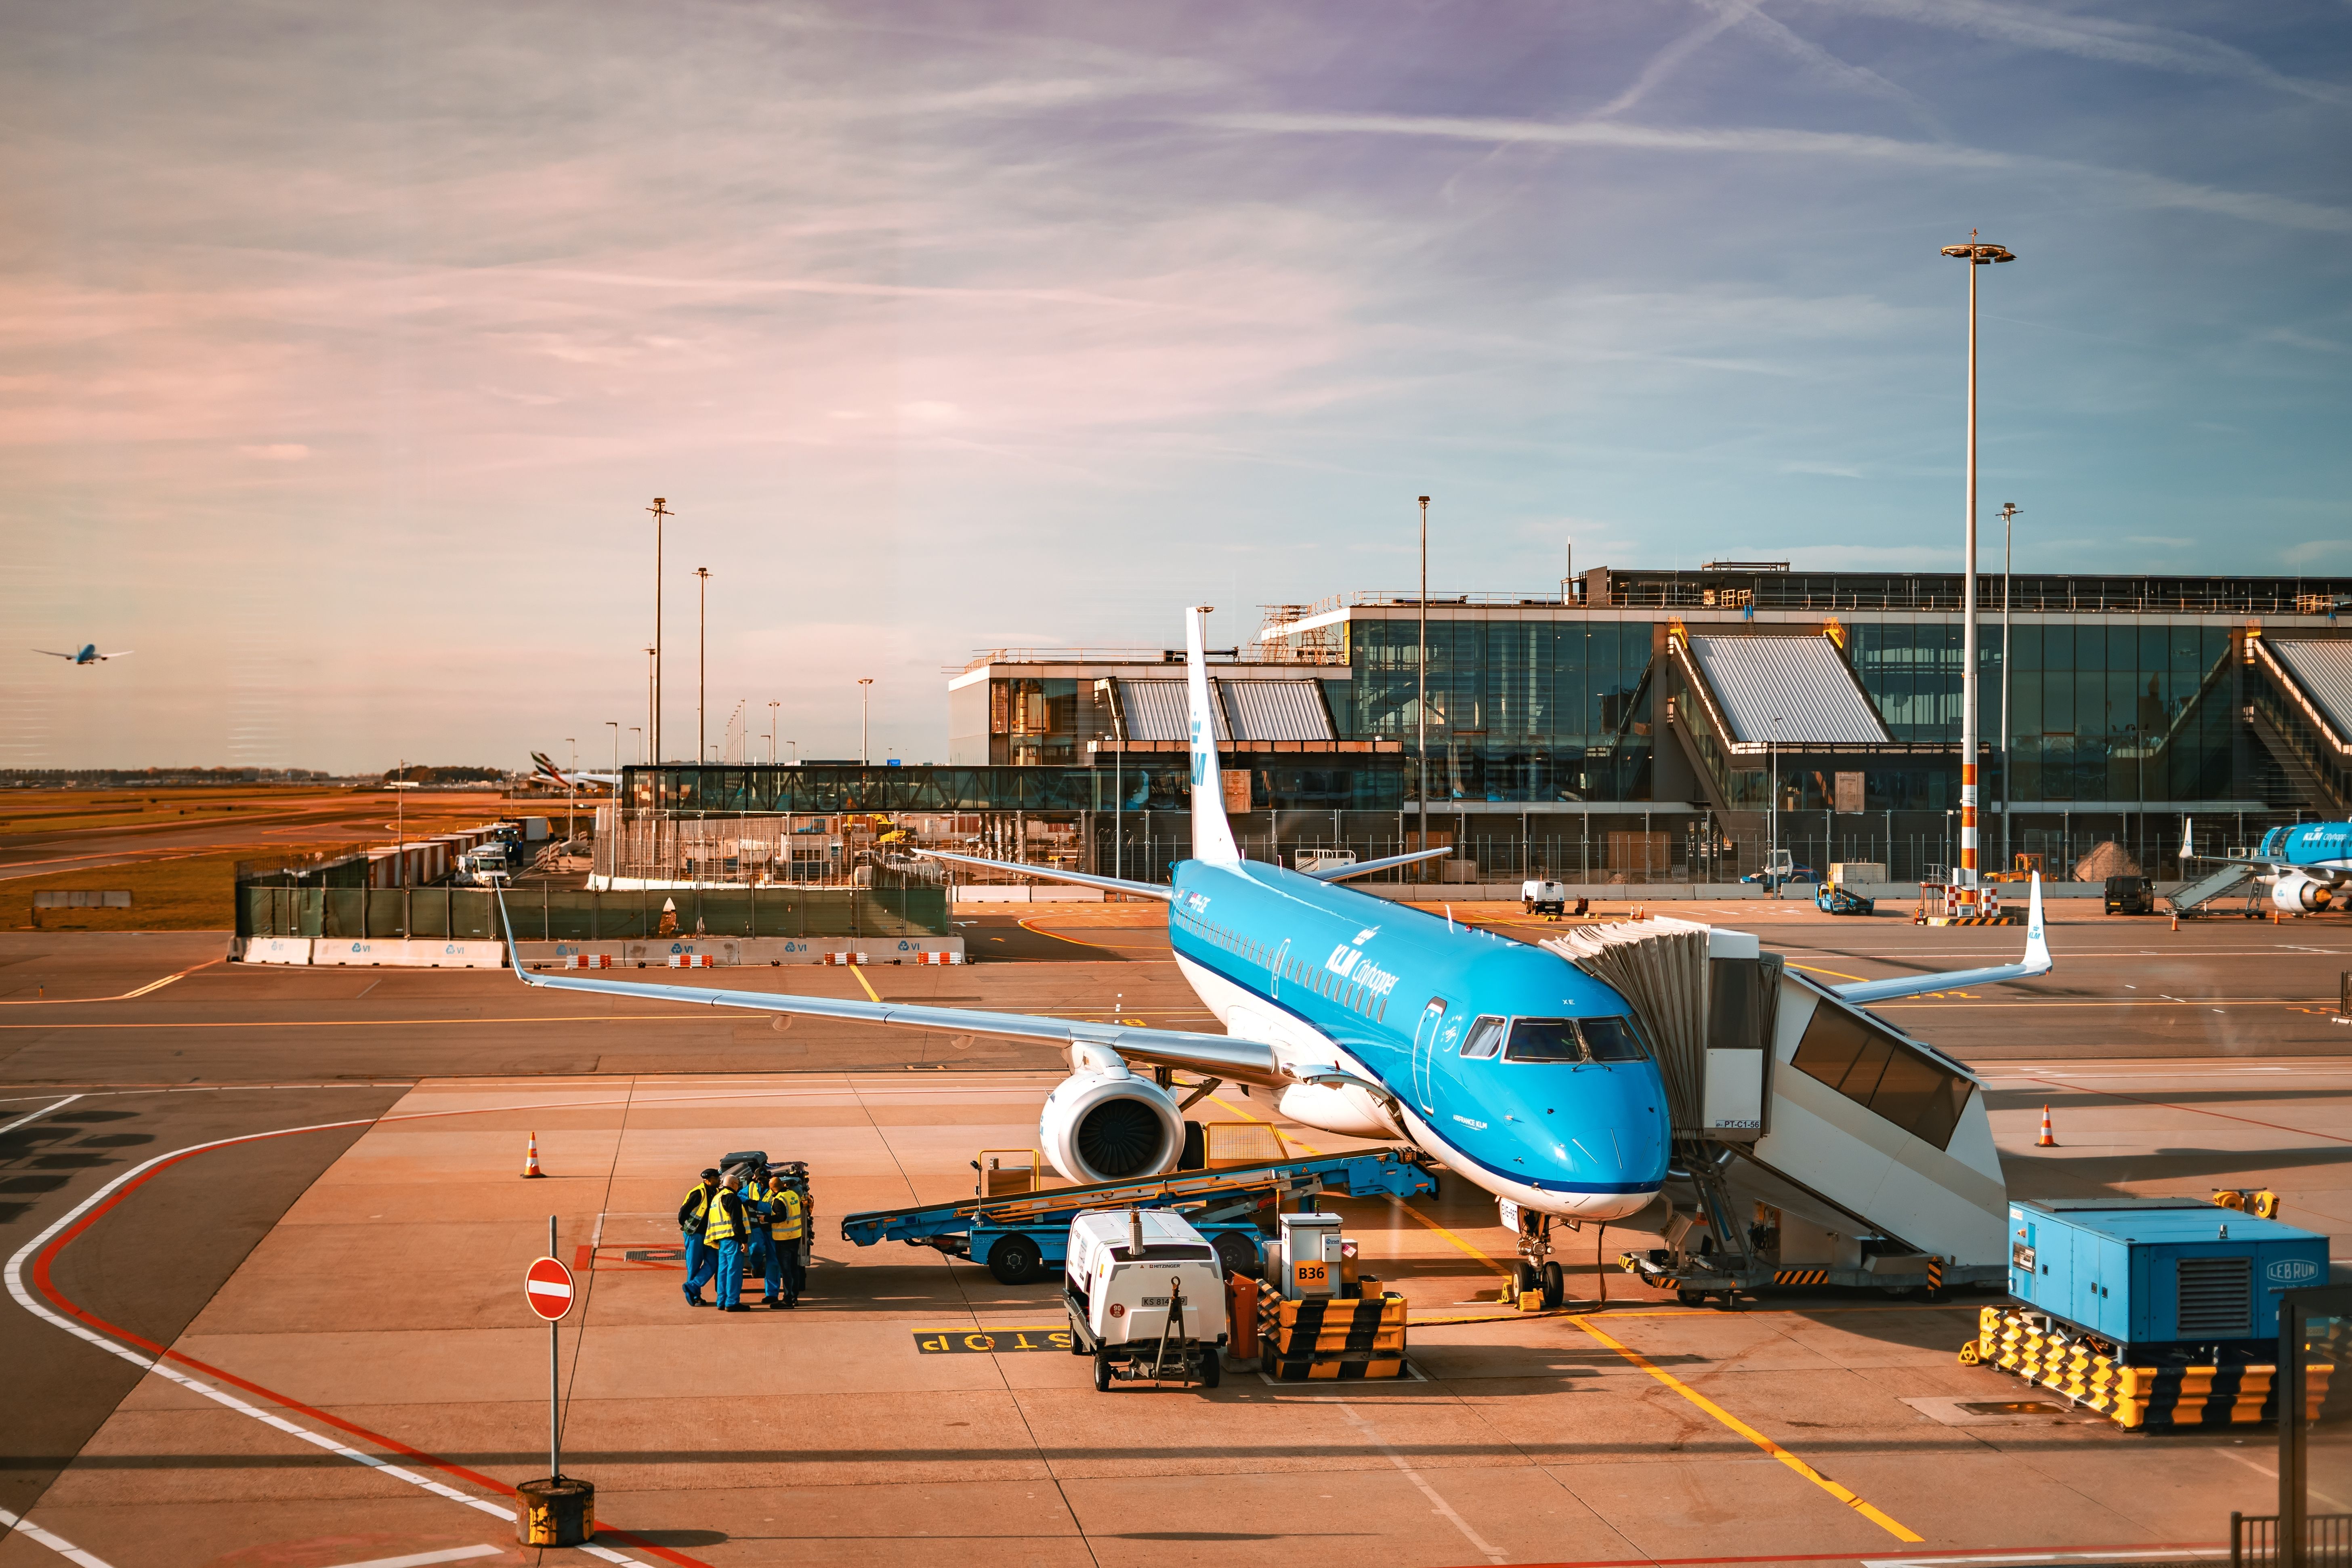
(2308, 866)
(1505, 1063)
(86, 654)
(544, 768)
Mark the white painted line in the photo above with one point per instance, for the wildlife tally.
(1437, 1504)
(55, 1543)
(426, 1559)
(37, 1115)
(496, 1508)
(2181, 1555)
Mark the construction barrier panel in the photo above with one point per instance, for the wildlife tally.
(1331, 1337)
(2138, 1398)
(399, 954)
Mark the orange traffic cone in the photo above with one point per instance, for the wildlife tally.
(2049, 1139)
(530, 1155)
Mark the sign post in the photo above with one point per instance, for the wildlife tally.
(555, 1512)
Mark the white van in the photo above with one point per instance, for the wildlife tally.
(1146, 1296)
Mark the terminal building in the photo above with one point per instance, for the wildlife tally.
(1643, 725)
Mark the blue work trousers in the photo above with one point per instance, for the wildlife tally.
(763, 1248)
(700, 1262)
(730, 1272)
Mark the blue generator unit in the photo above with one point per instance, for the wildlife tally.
(2160, 1278)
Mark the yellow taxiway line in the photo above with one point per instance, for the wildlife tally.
(1735, 1424)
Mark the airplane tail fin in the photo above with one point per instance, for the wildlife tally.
(1212, 836)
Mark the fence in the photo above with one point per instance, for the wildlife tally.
(545, 914)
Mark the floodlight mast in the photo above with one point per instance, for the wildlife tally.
(1977, 253)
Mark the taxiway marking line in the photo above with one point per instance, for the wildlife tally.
(427, 1559)
(127, 996)
(1437, 1504)
(90, 1210)
(1993, 1554)
(1833, 975)
(2193, 1110)
(1057, 936)
(1734, 1423)
(57, 1543)
(865, 983)
(1449, 1235)
(37, 1115)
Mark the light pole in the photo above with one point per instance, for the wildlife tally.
(660, 509)
(1109, 691)
(1772, 855)
(570, 785)
(650, 737)
(1976, 253)
(772, 706)
(702, 658)
(1421, 699)
(2009, 510)
(614, 725)
(865, 716)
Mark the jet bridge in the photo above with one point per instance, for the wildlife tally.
(1816, 1144)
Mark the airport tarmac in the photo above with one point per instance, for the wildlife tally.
(360, 1283)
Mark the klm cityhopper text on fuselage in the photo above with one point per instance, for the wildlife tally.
(1392, 990)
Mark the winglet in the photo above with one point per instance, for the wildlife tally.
(1212, 836)
(514, 953)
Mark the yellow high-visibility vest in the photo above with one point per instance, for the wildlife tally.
(697, 1204)
(720, 1226)
(784, 1221)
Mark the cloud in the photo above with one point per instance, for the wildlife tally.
(1830, 470)
(2313, 549)
(276, 452)
(2147, 190)
(2163, 541)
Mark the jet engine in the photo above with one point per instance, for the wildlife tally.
(2297, 894)
(1105, 1124)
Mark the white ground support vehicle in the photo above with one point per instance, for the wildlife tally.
(1540, 896)
(1146, 1296)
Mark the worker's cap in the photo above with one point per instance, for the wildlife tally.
(710, 1175)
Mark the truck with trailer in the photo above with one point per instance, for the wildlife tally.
(1146, 1297)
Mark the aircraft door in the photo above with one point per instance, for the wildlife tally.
(1424, 1050)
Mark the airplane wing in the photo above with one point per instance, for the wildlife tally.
(1341, 873)
(55, 654)
(2036, 962)
(124, 654)
(1055, 873)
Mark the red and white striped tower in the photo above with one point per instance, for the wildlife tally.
(1977, 253)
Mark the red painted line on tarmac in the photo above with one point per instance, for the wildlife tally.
(47, 1288)
(1938, 1555)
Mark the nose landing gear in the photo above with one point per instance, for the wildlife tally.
(1535, 1269)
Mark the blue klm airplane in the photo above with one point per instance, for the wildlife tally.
(1504, 1062)
(86, 654)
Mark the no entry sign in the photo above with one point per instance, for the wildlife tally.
(547, 1285)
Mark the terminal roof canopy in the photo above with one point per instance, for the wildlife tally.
(1801, 682)
(1249, 710)
(2323, 670)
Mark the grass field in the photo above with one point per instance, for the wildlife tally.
(183, 887)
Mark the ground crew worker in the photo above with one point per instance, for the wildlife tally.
(724, 1228)
(699, 1259)
(759, 1246)
(787, 1228)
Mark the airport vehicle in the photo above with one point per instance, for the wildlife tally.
(1540, 896)
(1020, 1230)
(86, 654)
(1517, 1071)
(2308, 867)
(1837, 898)
(1146, 1296)
(489, 865)
(1780, 870)
(2130, 896)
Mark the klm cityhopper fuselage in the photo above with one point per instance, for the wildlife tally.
(1319, 971)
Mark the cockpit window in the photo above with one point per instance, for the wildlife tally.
(1544, 1040)
(1484, 1038)
(1612, 1039)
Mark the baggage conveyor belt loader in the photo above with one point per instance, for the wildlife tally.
(1815, 1144)
(1023, 1235)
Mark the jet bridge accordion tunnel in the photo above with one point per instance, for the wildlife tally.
(1816, 1145)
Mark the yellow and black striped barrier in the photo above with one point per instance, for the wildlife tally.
(2138, 1398)
(1325, 1336)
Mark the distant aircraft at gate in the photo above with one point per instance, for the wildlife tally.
(86, 654)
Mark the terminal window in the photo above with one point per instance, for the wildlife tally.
(1884, 1072)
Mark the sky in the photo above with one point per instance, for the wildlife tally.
(344, 347)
